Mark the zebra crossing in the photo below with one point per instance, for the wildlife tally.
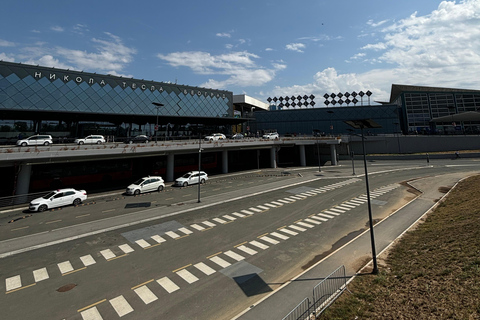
(14, 283)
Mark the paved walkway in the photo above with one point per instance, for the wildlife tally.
(279, 303)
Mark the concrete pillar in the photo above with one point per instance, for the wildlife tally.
(23, 179)
(224, 161)
(303, 161)
(273, 158)
(170, 167)
(333, 154)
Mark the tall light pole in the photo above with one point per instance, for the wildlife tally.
(157, 106)
(361, 124)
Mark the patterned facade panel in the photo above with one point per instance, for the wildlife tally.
(24, 87)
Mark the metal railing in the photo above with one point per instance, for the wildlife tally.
(19, 201)
(323, 295)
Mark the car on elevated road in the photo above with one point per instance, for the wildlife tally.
(58, 198)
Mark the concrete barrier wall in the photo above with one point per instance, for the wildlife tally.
(412, 144)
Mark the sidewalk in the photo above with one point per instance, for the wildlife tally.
(279, 303)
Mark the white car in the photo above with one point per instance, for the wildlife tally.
(36, 140)
(215, 137)
(58, 198)
(146, 184)
(271, 136)
(191, 177)
(93, 139)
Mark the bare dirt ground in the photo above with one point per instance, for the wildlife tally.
(433, 272)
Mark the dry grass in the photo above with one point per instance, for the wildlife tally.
(432, 273)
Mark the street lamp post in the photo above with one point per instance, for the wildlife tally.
(361, 124)
(157, 106)
(199, 163)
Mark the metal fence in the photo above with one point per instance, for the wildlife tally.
(18, 201)
(324, 294)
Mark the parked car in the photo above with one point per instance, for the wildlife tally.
(58, 198)
(271, 136)
(237, 136)
(191, 177)
(215, 137)
(137, 139)
(36, 140)
(146, 184)
(93, 139)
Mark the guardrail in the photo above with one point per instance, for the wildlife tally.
(22, 200)
(323, 295)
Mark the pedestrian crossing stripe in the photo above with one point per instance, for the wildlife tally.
(219, 220)
(221, 262)
(87, 260)
(185, 230)
(331, 212)
(270, 205)
(40, 274)
(279, 235)
(229, 217)
(233, 255)
(204, 268)
(337, 210)
(172, 234)
(293, 233)
(121, 306)
(247, 212)
(263, 207)
(168, 284)
(297, 228)
(305, 224)
(209, 224)
(142, 243)
(198, 227)
(238, 214)
(66, 266)
(259, 245)
(247, 250)
(126, 248)
(91, 314)
(269, 240)
(158, 239)
(312, 221)
(255, 209)
(187, 276)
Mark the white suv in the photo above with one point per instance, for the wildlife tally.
(37, 140)
(93, 139)
(215, 137)
(191, 177)
(271, 136)
(146, 184)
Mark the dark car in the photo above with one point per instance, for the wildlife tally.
(237, 136)
(137, 139)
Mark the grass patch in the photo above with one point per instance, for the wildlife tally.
(433, 272)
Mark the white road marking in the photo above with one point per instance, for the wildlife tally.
(121, 306)
(172, 234)
(247, 212)
(234, 256)
(146, 294)
(278, 204)
(279, 235)
(293, 233)
(238, 214)
(208, 223)
(259, 245)
(65, 267)
(204, 268)
(337, 210)
(255, 209)
(269, 240)
(305, 224)
(87, 260)
(143, 243)
(284, 201)
(270, 205)
(313, 221)
(91, 314)
(40, 274)
(185, 230)
(343, 207)
(222, 263)
(158, 239)
(332, 213)
(168, 284)
(326, 215)
(198, 227)
(219, 220)
(13, 283)
(229, 217)
(247, 250)
(126, 248)
(297, 228)
(263, 207)
(187, 276)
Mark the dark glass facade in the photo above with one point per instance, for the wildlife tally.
(39, 89)
(326, 120)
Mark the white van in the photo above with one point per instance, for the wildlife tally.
(36, 140)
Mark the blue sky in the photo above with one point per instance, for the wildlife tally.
(259, 48)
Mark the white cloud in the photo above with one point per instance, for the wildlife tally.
(223, 35)
(438, 49)
(57, 29)
(239, 68)
(269, 49)
(297, 47)
(5, 57)
(376, 24)
(5, 43)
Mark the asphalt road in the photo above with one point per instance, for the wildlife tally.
(166, 256)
